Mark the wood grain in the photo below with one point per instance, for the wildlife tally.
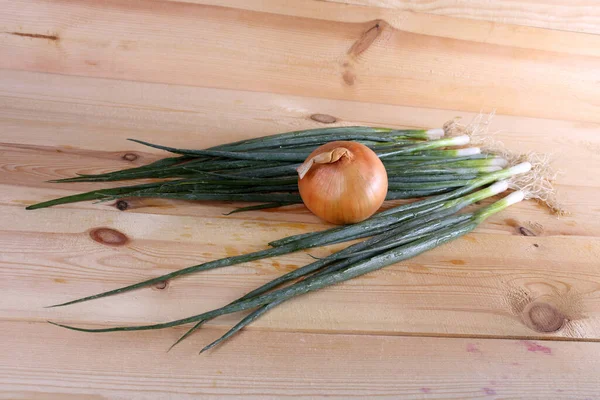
(561, 15)
(257, 365)
(42, 115)
(499, 302)
(470, 287)
(426, 24)
(579, 16)
(510, 311)
(302, 56)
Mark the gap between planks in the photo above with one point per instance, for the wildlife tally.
(374, 334)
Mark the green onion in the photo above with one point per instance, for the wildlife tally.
(385, 258)
(418, 163)
(203, 173)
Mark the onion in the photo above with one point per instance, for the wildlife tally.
(343, 182)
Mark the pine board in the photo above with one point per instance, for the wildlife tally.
(79, 77)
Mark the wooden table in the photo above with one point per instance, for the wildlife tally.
(510, 311)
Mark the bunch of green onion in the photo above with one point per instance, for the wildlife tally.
(263, 170)
(450, 181)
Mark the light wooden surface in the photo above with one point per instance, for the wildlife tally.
(493, 315)
(567, 15)
(303, 56)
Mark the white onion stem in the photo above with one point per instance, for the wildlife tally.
(436, 133)
(468, 151)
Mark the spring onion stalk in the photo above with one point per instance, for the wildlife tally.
(110, 194)
(464, 152)
(263, 206)
(181, 169)
(440, 170)
(249, 197)
(411, 159)
(428, 145)
(425, 134)
(308, 133)
(295, 142)
(245, 154)
(427, 185)
(411, 194)
(240, 325)
(319, 281)
(463, 162)
(430, 178)
(274, 142)
(268, 172)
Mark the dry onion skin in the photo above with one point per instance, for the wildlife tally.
(343, 182)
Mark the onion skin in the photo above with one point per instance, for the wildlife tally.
(343, 182)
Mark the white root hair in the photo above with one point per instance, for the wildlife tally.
(477, 129)
(537, 184)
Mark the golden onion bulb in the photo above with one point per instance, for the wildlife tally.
(343, 182)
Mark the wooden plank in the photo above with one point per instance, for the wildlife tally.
(470, 287)
(54, 110)
(566, 15)
(257, 365)
(50, 110)
(486, 30)
(44, 115)
(27, 170)
(301, 56)
(36, 123)
(106, 83)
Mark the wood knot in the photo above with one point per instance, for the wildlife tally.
(323, 118)
(122, 205)
(130, 157)
(108, 236)
(543, 317)
(162, 285)
(349, 77)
